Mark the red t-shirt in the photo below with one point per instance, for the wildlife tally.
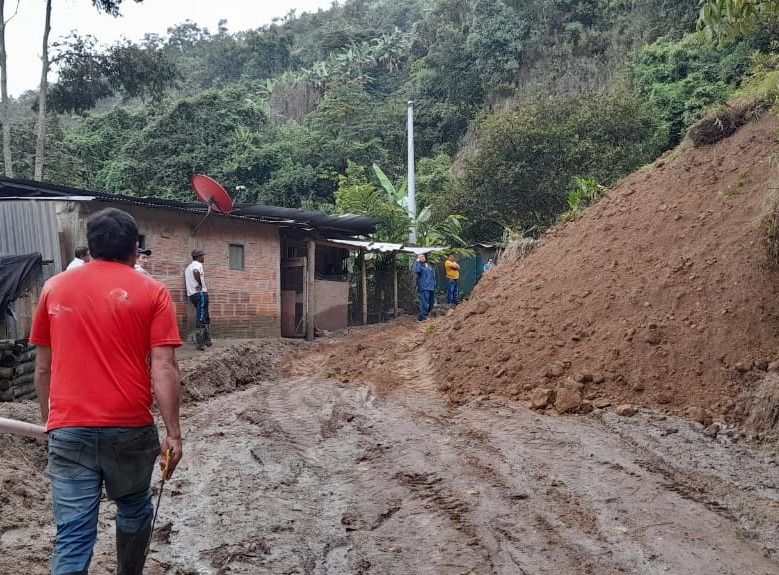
(101, 321)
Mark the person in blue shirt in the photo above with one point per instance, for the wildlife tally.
(426, 284)
(488, 266)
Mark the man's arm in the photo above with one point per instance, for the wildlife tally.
(196, 275)
(43, 379)
(167, 389)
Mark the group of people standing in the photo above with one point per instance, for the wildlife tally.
(194, 279)
(427, 284)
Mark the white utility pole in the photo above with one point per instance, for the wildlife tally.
(412, 198)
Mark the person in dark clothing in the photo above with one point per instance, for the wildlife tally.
(426, 284)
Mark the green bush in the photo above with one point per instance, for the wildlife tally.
(585, 192)
(684, 78)
(527, 158)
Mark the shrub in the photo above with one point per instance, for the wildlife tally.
(521, 174)
(585, 192)
(684, 78)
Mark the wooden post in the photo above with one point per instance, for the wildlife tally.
(395, 281)
(311, 296)
(304, 319)
(364, 287)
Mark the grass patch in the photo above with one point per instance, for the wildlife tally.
(769, 229)
(737, 188)
(585, 192)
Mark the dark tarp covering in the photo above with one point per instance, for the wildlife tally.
(17, 274)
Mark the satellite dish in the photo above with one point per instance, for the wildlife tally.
(210, 192)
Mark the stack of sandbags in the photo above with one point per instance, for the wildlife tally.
(17, 368)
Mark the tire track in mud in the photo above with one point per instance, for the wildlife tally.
(309, 475)
(754, 510)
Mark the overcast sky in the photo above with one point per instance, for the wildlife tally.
(24, 34)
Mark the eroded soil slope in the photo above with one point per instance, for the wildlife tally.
(660, 290)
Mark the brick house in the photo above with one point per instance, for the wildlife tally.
(250, 254)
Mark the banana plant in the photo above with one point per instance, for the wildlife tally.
(447, 232)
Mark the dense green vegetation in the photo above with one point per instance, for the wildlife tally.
(514, 100)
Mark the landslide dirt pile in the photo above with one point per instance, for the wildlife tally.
(221, 370)
(384, 355)
(659, 295)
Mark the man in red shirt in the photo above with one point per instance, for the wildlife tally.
(106, 336)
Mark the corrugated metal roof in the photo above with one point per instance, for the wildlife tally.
(386, 247)
(30, 226)
(346, 224)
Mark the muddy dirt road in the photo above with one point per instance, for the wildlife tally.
(312, 476)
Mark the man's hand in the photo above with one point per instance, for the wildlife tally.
(174, 444)
(167, 391)
(198, 288)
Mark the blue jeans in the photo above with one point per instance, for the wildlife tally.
(200, 301)
(453, 292)
(426, 298)
(81, 459)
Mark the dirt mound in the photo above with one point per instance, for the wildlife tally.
(25, 500)
(228, 368)
(659, 295)
(723, 122)
(758, 408)
(386, 356)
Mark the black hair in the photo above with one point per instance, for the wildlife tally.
(112, 235)
(81, 251)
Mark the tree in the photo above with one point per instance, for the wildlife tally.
(4, 116)
(527, 157)
(87, 75)
(724, 20)
(108, 6)
(684, 78)
(496, 43)
(357, 195)
(41, 140)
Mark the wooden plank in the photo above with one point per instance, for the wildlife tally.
(288, 298)
(395, 283)
(304, 317)
(363, 287)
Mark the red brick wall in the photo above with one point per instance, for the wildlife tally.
(242, 303)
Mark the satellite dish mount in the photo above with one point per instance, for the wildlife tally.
(211, 193)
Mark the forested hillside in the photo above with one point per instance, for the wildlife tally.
(518, 103)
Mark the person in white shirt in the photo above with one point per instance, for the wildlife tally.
(82, 257)
(143, 261)
(194, 277)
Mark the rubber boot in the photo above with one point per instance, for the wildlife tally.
(131, 551)
(208, 336)
(200, 338)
